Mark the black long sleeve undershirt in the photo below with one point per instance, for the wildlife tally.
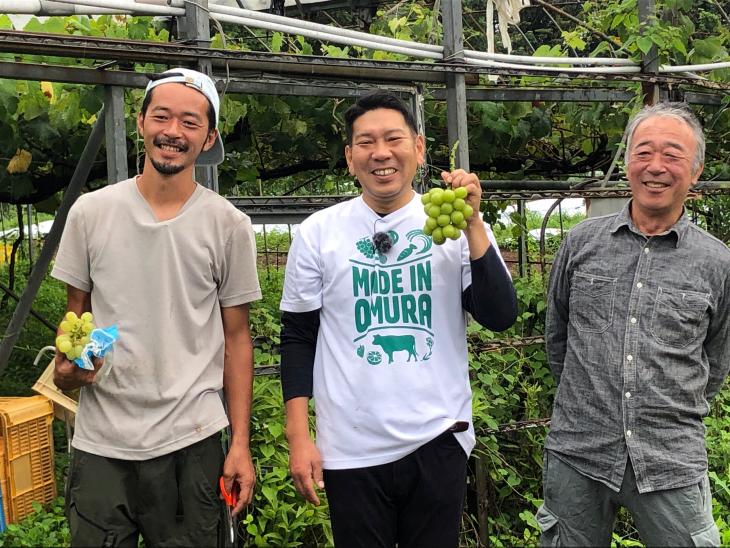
(490, 299)
(299, 332)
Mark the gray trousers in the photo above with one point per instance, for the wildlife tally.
(580, 511)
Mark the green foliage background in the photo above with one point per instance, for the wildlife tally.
(293, 145)
(508, 386)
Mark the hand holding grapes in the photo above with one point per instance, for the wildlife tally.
(460, 178)
(452, 210)
(73, 336)
(462, 200)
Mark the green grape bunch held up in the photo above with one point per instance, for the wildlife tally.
(75, 334)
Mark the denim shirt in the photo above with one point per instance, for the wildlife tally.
(638, 338)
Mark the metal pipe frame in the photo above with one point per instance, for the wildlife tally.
(294, 209)
(255, 83)
(125, 52)
(195, 27)
(456, 122)
(81, 174)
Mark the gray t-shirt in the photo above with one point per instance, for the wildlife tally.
(163, 284)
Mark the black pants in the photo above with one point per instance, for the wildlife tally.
(416, 501)
(170, 500)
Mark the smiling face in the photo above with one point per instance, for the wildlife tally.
(384, 156)
(175, 128)
(660, 170)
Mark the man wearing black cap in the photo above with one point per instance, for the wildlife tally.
(173, 264)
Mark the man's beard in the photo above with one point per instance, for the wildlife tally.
(167, 169)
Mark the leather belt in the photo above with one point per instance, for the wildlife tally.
(459, 426)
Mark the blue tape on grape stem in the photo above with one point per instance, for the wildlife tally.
(102, 341)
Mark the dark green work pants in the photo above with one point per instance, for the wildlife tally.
(170, 500)
(580, 511)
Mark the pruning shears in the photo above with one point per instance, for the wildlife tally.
(231, 499)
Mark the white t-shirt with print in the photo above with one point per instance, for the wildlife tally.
(390, 371)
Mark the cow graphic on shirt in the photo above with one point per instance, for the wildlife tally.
(395, 343)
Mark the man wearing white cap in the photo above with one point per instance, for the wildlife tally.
(173, 264)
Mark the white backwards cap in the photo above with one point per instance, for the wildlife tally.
(202, 83)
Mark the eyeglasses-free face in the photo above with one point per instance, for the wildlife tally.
(175, 128)
(384, 156)
(661, 168)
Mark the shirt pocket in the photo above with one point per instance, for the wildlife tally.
(591, 302)
(677, 316)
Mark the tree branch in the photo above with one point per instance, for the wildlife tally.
(598, 33)
(305, 165)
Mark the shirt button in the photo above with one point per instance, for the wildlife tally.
(633, 320)
(628, 433)
(646, 250)
(640, 285)
(629, 358)
(628, 395)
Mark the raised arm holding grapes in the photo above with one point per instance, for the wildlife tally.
(374, 329)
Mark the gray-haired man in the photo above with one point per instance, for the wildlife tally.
(638, 337)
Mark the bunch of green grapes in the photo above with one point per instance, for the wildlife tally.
(75, 334)
(447, 213)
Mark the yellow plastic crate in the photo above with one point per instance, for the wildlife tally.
(6, 495)
(27, 459)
